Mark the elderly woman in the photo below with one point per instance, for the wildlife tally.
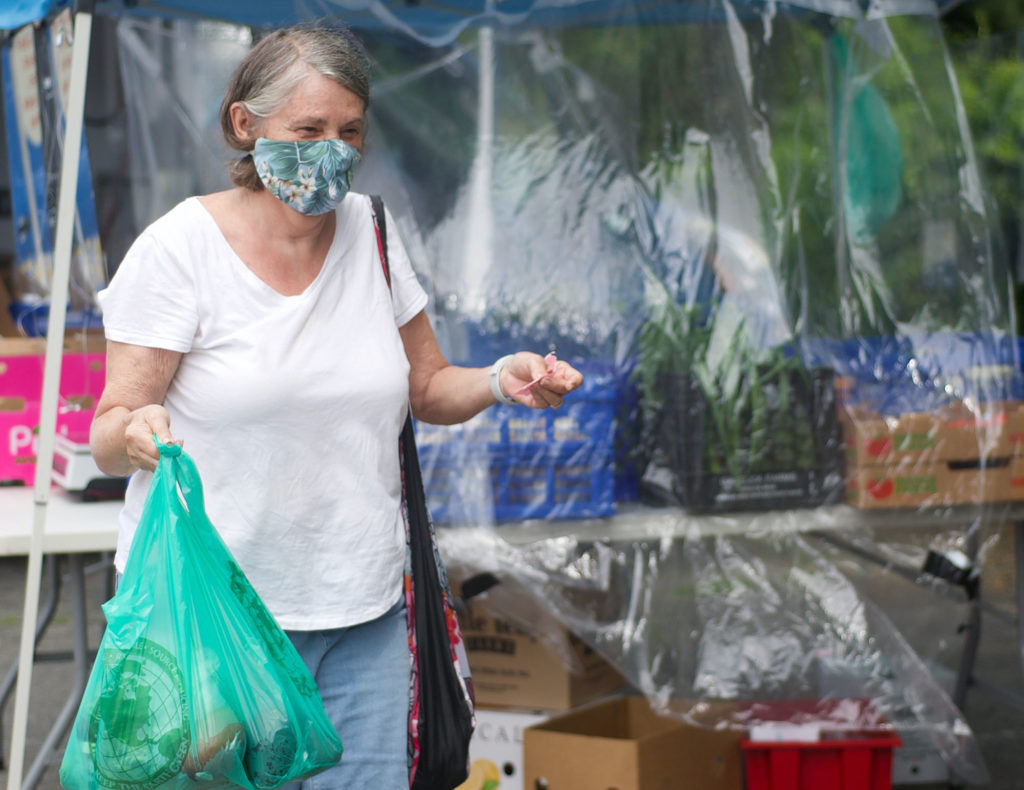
(257, 325)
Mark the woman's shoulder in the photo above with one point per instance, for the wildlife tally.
(355, 204)
(176, 235)
(171, 222)
(214, 202)
(356, 210)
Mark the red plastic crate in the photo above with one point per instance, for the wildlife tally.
(854, 763)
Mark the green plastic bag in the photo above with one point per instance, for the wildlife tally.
(194, 685)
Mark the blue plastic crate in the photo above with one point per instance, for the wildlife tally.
(477, 485)
(583, 418)
(460, 482)
(552, 481)
(538, 463)
(897, 375)
(485, 430)
(32, 318)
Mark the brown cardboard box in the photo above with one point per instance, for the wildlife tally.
(952, 457)
(935, 484)
(514, 668)
(7, 325)
(622, 744)
(496, 749)
(955, 433)
(75, 341)
(22, 346)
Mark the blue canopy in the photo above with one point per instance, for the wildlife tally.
(441, 20)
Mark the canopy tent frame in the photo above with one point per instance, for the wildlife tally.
(84, 11)
(66, 206)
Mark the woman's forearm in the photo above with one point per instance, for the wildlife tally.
(130, 410)
(107, 442)
(452, 395)
(122, 440)
(445, 394)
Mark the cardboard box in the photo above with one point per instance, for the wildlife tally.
(19, 441)
(496, 750)
(514, 668)
(955, 433)
(83, 375)
(935, 484)
(623, 744)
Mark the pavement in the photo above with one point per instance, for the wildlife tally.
(998, 726)
(53, 676)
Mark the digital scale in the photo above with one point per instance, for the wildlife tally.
(75, 471)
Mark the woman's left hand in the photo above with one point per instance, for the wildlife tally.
(538, 382)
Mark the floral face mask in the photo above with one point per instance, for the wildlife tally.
(310, 176)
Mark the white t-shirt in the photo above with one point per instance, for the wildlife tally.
(291, 406)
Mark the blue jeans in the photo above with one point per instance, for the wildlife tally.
(363, 676)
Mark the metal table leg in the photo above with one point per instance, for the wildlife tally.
(49, 609)
(48, 752)
(969, 653)
(1018, 541)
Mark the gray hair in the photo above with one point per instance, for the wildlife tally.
(266, 76)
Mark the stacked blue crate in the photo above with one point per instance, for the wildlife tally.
(899, 375)
(511, 463)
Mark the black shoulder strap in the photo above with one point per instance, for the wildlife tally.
(380, 226)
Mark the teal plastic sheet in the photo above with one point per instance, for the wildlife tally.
(194, 684)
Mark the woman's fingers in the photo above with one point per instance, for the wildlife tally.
(540, 382)
(143, 424)
(568, 374)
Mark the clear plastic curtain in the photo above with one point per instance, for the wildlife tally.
(771, 206)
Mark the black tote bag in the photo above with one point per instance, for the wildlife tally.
(441, 717)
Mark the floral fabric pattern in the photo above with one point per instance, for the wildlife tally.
(310, 176)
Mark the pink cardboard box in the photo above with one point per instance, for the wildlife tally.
(21, 383)
(19, 435)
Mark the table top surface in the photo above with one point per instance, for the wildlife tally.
(634, 522)
(71, 525)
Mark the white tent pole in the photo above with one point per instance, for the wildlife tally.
(51, 381)
(478, 250)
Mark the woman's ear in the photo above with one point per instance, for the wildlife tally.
(241, 121)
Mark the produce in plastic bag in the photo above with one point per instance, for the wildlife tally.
(194, 684)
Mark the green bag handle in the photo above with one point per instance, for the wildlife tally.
(181, 469)
(176, 485)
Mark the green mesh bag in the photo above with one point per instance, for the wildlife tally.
(194, 684)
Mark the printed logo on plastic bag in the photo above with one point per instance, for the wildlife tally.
(139, 733)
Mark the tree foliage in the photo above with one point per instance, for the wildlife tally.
(986, 43)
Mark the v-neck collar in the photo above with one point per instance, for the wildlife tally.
(258, 281)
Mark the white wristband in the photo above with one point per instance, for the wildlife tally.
(495, 377)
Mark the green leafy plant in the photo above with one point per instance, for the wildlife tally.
(673, 340)
(754, 406)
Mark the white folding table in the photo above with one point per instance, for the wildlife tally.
(73, 528)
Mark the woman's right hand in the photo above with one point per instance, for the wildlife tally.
(138, 435)
(129, 411)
